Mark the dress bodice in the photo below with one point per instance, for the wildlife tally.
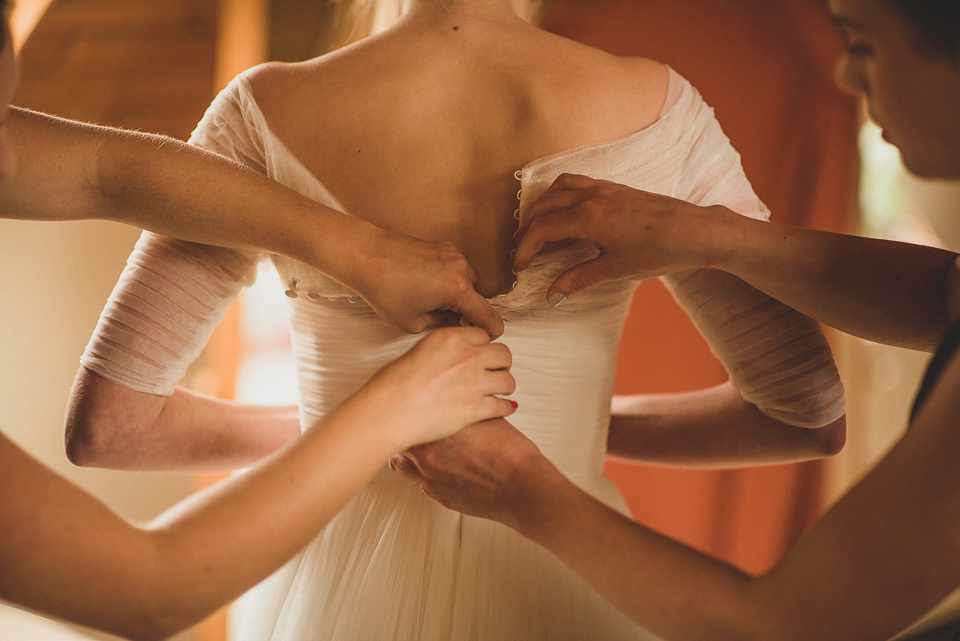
(564, 358)
(394, 564)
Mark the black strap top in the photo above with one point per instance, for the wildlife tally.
(948, 347)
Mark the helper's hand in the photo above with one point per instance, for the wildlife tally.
(640, 235)
(450, 379)
(489, 470)
(417, 284)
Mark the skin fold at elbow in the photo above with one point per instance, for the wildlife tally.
(81, 443)
(98, 422)
(830, 439)
(165, 597)
(157, 624)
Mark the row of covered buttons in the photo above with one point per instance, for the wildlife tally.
(294, 282)
(516, 235)
(293, 293)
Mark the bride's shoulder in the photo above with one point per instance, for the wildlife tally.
(278, 76)
(281, 85)
(630, 74)
(636, 84)
(648, 76)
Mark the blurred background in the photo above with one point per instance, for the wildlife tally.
(766, 67)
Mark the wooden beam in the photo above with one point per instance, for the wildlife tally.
(241, 38)
(24, 18)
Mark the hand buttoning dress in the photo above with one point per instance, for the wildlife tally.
(394, 565)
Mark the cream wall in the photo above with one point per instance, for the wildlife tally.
(881, 381)
(54, 279)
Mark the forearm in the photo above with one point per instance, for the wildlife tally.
(110, 426)
(72, 171)
(884, 291)
(713, 427)
(669, 588)
(269, 513)
(67, 555)
(844, 582)
(875, 562)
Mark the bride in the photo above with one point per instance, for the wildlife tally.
(446, 126)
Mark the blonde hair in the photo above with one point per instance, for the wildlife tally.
(360, 19)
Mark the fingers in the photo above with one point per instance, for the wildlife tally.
(406, 468)
(431, 320)
(550, 227)
(580, 277)
(496, 356)
(495, 407)
(551, 206)
(475, 309)
(552, 202)
(554, 216)
(572, 181)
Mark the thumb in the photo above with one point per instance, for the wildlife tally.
(406, 468)
(475, 309)
(576, 279)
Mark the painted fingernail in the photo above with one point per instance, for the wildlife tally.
(514, 404)
(556, 298)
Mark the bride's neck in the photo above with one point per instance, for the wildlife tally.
(464, 9)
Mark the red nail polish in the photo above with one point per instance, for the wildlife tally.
(514, 404)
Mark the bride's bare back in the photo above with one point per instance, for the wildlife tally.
(421, 128)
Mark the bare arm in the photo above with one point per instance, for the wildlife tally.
(125, 411)
(73, 171)
(881, 557)
(885, 291)
(713, 427)
(65, 554)
(109, 425)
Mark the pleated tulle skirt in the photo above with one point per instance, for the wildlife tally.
(395, 565)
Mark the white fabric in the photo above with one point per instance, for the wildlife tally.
(161, 313)
(393, 564)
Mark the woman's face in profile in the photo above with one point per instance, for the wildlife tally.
(912, 94)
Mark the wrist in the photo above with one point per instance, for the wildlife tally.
(537, 500)
(360, 266)
(389, 412)
(725, 235)
(338, 245)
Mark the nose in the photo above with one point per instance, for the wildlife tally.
(850, 77)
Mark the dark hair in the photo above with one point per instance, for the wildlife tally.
(937, 22)
(5, 8)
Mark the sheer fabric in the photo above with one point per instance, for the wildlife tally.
(393, 564)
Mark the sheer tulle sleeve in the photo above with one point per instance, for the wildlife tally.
(172, 293)
(776, 357)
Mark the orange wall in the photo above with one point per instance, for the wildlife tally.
(766, 68)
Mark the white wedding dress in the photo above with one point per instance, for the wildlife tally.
(394, 565)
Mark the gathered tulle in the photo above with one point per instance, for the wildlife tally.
(397, 566)
(393, 564)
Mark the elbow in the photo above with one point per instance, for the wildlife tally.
(79, 441)
(84, 438)
(159, 603)
(830, 439)
(154, 626)
(80, 430)
(161, 625)
(101, 422)
(769, 615)
(151, 632)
